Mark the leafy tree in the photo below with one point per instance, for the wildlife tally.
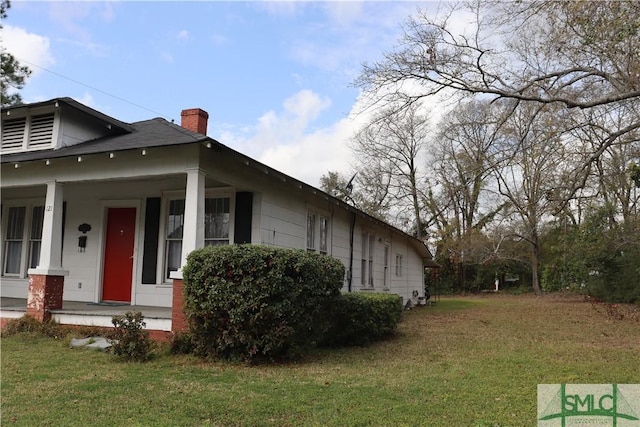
(12, 74)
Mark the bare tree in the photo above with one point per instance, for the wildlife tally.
(571, 55)
(388, 149)
(532, 162)
(367, 189)
(463, 153)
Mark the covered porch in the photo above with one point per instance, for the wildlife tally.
(90, 314)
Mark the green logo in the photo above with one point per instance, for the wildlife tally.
(588, 404)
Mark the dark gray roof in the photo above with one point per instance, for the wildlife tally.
(145, 134)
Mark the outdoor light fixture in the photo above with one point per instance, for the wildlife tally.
(208, 145)
(79, 159)
(47, 162)
(112, 155)
(144, 152)
(82, 240)
(17, 165)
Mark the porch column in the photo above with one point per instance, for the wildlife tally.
(192, 238)
(193, 229)
(46, 281)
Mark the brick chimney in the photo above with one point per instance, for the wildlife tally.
(195, 120)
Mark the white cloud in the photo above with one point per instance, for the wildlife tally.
(344, 13)
(69, 15)
(28, 47)
(167, 57)
(183, 35)
(86, 99)
(218, 40)
(73, 23)
(287, 141)
(315, 153)
(287, 127)
(280, 8)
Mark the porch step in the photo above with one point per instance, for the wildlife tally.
(104, 320)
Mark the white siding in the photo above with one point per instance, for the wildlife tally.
(279, 215)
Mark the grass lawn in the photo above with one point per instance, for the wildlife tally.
(472, 361)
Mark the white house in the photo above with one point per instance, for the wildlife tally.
(95, 209)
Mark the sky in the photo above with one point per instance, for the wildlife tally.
(275, 77)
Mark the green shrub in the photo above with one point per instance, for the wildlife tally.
(615, 280)
(52, 329)
(182, 343)
(258, 303)
(30, 325)
(360, 318)
(131, 341)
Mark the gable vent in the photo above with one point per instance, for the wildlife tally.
(41, 131)
(13, 134)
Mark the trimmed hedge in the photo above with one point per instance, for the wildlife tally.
(360, 318)
(258, 303)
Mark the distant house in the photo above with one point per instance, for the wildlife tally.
(95, 209)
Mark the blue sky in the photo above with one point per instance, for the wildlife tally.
(275, 77)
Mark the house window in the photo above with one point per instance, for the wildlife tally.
(35, 241)
(16, 249)
(13, 241)
(366, 261)
(311, 231)
(173, 246)
(317, 233)
(216, 221)
(217, 215)
(324, 227)
(399, 265)
(385, 278)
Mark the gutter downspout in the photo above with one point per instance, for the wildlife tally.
(350, 276)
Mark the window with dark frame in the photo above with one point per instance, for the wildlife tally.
(35, 240)
(324, 230)
(398, 265)
(216, 221)
(23, 239)
(366, 260)
(311, 231)
(13, 240)
(173, 241)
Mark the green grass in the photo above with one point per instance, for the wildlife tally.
(464, 362)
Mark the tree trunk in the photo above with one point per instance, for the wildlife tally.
(535, 264)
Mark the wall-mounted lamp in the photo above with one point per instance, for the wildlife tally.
(208, 145)
(47, 162)
(112, 155)
(144, 152)
(82, 240)
(17, 165)
(79, 159)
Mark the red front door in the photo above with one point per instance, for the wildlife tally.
(118, 254)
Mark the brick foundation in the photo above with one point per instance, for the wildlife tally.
(45, 293)
(178, 318)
